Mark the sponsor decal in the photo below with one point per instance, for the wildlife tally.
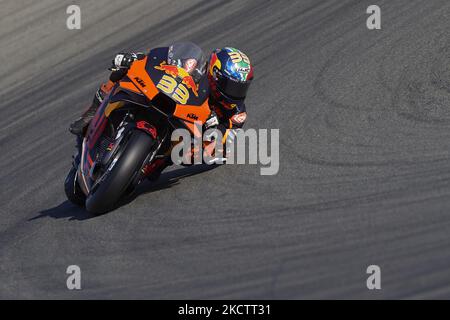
(181, 73)
(192, 116)
(244, 69)
(239, 118)
(110, 147)
(214, 64)
(144, 125)
(140, 82)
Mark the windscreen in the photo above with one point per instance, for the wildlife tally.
(188, 56)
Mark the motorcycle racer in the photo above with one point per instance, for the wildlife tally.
(229, 75)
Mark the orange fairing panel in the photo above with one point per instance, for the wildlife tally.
(193, 113)
(141, 79)
(107, 87)
(129, 86)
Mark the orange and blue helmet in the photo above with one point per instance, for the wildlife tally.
(230, 74)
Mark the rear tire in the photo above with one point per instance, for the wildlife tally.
(73, 191)
(106, 195)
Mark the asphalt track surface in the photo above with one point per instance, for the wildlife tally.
(364, 119)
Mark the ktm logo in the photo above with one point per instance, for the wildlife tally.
(192, 116)
(140, 81)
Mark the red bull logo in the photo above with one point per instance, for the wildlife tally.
(215, 63)
(178, 72)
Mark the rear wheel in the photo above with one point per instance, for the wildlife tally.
(121, 173)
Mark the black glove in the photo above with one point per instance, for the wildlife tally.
(123, 60)
(212, 121)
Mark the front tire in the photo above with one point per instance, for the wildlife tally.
(105, 196)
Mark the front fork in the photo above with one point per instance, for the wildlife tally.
(76, 157)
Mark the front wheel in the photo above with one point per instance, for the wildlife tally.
(120, 173)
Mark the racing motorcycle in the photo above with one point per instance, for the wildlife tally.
(133, 125)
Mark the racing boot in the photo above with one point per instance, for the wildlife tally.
(78, 127)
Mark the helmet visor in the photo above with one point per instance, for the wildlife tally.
(233, 89)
